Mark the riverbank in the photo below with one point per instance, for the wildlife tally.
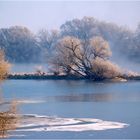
(45, 76)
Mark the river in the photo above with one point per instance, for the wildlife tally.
(73, 109)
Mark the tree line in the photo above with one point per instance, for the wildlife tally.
(22, 45)
(80, 47)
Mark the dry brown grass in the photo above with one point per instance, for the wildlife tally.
(8, 120)
(4, 66)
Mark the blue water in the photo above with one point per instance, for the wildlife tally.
(119, 102)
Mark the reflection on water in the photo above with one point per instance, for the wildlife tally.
(83, 98)
(94, 97)
(8, 117)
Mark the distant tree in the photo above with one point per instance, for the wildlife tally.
(19, 44)
(88, 27)
(73, 56)
(47, 40)
(119, 38)
(84, 28)
(136, 44)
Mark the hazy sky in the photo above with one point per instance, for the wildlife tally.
(51, 14)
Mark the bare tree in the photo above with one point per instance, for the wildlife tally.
(73, 56)
(19, 44)
(84, 28)
(4, 66)
(65, 55)
(47, 40)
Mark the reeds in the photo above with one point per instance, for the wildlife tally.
(4, 66)
(8, 120)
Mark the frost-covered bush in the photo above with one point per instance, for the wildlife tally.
(88, 58)
(4, 66)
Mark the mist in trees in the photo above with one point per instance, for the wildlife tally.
(121, 39)
(136, 41)
(22, 45)
(19, 44)
(46, 41)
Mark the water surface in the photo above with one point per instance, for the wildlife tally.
(74, 109)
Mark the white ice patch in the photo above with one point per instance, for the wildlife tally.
(30, 101)
(37, 123)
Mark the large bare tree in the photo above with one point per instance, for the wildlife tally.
(85, 58)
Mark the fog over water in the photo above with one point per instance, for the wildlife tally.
(126, 64)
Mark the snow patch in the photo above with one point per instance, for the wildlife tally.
(46, 123)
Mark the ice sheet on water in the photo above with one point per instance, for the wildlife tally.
(31, 122)
(30, 101)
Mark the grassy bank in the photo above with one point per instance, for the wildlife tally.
(44, 76)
